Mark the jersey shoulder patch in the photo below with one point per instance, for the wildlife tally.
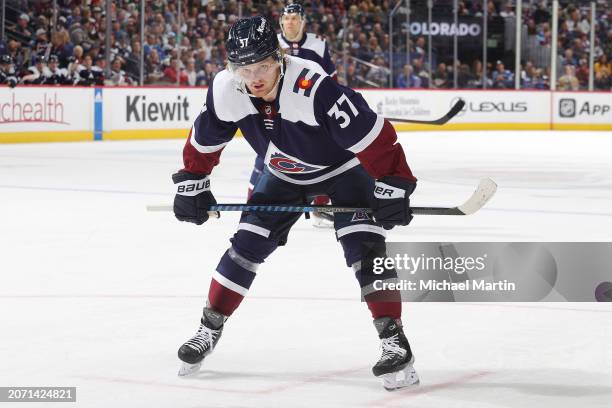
(230, 104)
(303, 75)
(302, 78)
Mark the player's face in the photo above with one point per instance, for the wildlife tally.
(261, 77)
(292, 24)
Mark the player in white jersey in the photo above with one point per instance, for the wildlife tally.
(298, 43)
(316, 137)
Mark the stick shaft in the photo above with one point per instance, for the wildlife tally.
(311, 208)
(485, 190)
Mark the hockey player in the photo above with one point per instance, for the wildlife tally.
(316, 137)
(296, 42)
(37, 72)
(7, 71)
(309, 46)
(56, 75)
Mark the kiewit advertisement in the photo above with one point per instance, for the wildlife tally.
(582, 111)
(38, 114)
(132, 113)
(483, 110)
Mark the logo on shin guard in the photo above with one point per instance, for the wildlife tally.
(360, 216)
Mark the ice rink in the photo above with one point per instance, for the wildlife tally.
(98, 293)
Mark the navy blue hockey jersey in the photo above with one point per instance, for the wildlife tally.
(314, 130)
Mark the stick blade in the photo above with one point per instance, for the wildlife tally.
(485, 190)
(456, 108)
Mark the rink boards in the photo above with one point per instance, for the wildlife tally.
(42, 114)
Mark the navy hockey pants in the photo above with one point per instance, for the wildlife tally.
(260, 233)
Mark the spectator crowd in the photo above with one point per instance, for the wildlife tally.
(66, 45)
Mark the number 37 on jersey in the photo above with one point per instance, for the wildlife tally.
(342, 110)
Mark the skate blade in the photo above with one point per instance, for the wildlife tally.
(189, 369)
(407, 377)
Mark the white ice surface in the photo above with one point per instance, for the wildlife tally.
(97, 293)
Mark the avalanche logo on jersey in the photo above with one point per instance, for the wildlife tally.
(284, 163)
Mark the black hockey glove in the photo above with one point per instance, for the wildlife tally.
(392, 201)
(193, 197)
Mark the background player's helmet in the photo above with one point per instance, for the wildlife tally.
(6, 59)
(293, 9)
(251, 40)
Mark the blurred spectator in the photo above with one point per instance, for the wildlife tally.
(440, 77)
(477, 76)
(173, 74)
(419, 71)
(568, 58)
(41, 43)
(379, 73)
(464, 76)
(528, 76)
(205, 77)
(23, 27)
(15, 51)
(132, 64)
(351, 76)
(502, 78)
(61, 46)
(603, 73)
(568, 81)
(190, 72)
(541, 80)
(153, 67)
(582, 73)
(407, 79)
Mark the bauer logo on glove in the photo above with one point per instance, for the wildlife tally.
(382, 191)
(193, 187)
(391, 204)
(193, 197)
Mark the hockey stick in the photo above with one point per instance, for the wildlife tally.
(441, 121)
(485, 190)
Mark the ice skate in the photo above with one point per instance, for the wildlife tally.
(395, 365)
(202, 343)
